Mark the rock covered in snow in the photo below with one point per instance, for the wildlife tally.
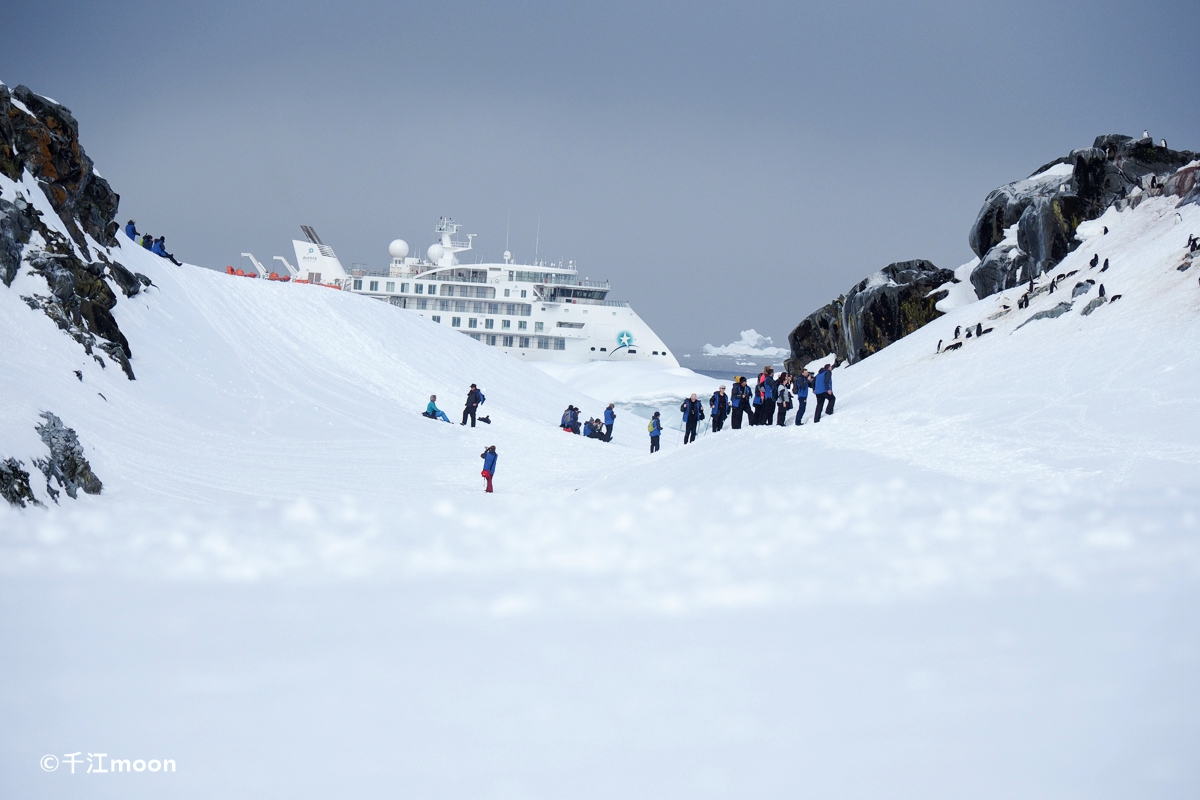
(881, 309)
(1047, 207)
(14, 484)
(66, 463)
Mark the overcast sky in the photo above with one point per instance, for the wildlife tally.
(726, 165)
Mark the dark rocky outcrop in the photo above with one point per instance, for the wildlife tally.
(41, 138)
(14, 484)
(1048, 206)
(881, 309)
(66, 463)
(46, 143)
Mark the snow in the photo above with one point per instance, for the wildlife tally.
(751, 343)
(978, 578)
(959, 292)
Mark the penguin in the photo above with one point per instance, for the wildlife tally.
(1102, 290)
(1162, 143)
(1102, 269)
(1095, 260)
(1153, 181)
(978, 329)
(1146, 135)
(1052, 285)
(968, 336)
(957, 331)
(939, 345)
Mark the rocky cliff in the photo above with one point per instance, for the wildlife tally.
(882, 308)
(40, 152)
(1027, 227)
(1024, 229)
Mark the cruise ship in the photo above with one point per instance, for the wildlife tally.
(534, 312)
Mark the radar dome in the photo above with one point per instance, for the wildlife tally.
(435, 252)
(507, 256)
(398, 248)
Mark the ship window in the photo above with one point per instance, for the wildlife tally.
(489, 323)
(654, 353)
(491, 339)
(537, 326)
(421, 304)
(436, 318)
(444, 305)
(508, 341)
(570, 324)
(506, 323)
(476, 336)
(593, 348)
(432, 289)
(522, 293)
(510, 274)
(404, 287)
(522, 325)
(447, 290)
(631, 352)
(472, 323)
(560, 344)
(603, 349)
(464, 291)
(543, 343)
(456, 322)
(506, 292)
(420, 288)
(524, 341)
(493, 308)
(357, 284)
(374, 286)
(391, 286)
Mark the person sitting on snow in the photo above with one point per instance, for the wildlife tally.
(433, 412)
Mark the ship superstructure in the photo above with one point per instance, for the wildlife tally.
(534, 312)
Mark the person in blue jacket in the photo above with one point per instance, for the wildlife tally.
(433, 412)
(610, 419)
(765, 413)
(693, 412)
(718, 406)
(740, 402)
(131, 230)
(147, 241)
(489, 465)
(655, 428)
(802, 384)
(823, 387)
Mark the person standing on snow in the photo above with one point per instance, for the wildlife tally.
(823, 386)
(783, 399)
(131, 230)
(803, 384)
(655, 428)
(693, 412)
(718, 406)
(740, 402)
(610, 419)
(766, 391)
(474, 398)
(489, 465)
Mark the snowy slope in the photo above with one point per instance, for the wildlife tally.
(972, 580)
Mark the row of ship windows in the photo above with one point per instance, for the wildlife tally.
(447, 290)
(542, 342)
(467, 306)
(490, 324)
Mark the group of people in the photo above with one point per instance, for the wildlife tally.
(157, 246)
(475, 399)
(594, 428)
(767, 403)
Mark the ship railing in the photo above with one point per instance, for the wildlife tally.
(587, 301)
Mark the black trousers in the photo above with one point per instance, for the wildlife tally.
(469, 411)
(689, 431)
(736, 422)
(782, 416)
(822, 399)
(718, 421)
(653, 444)
(608, 432)
(768, 412)
(800, 411)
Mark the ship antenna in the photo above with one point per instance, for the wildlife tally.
(538, 240)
